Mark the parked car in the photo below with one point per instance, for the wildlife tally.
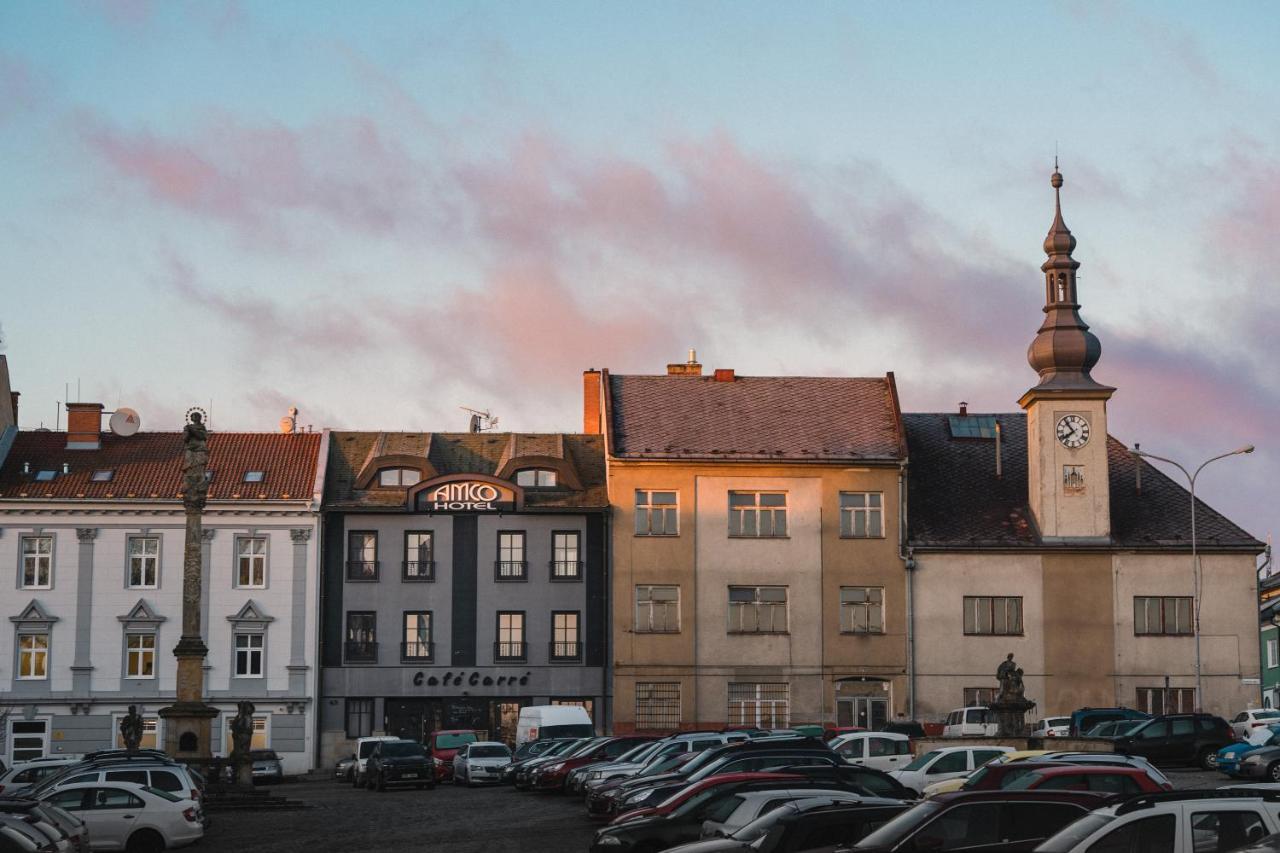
(1229, 757)
(168, 776)
(552, 775)
(1178, 739)
(267, 766)
(991, 821)
(882, 750)
(623, 765)
(553, 721)
(910, 728)
(1246, 722)
(136, 818)
(1114, 760)
(1176, 822)
(1125, 781)
(443, 746)
(974, 721)
(1086, 718)
(524, 775)
(1113, 728)
(364, 748)
(830, 733)
(986, 777)
(549, 747)
(749, 805)
(27, 774)
(604, 796)
(534, 748)
(1052, 727)
(23, 836)
(345, 768)
(481, 761)
(802, 825)
(63, 829)
(945, 763)
(399, 762)
(1262, 764)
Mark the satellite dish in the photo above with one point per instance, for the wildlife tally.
(286, 425)
(125, 422)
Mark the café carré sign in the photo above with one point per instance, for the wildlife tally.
(466, 493)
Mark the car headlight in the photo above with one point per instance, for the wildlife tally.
(638, 796)
(439, 762)
(609, 841)
(552, 768)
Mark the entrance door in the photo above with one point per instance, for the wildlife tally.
(406, 718)
(28, 739)
(869, 712)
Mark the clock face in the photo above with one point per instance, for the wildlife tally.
(1073, 431)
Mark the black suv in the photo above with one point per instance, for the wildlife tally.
(399, 762)
(1178, 739)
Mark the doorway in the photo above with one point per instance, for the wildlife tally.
(869, 712)
(28, 739)
(407, 718)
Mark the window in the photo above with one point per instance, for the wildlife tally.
(565, 644)
(45, 476)
(999, 615)
(33, 656)
(249, 650)
(658, 705)
(150, 738)
(1158, 832)
(656, 513)
(359, 713)
(757, 609)
(399, 477)
(511, 565)
(113, 799)
(254, 476)
(362, 555)
(101, 476)
(37, 562)
(758, 514)
(140, 656)
(861, 514)
(251, 556)
(862, 609)
(566, 555)
(1273, 653)
(417, 644)
(144, 562)
(1212, 831)
(657, 609)
(510, 645)
(536, 478)
(1166, 700)
(765, 706)
(979, 696)
(1161, 615)
(362, 637)
(419, 556)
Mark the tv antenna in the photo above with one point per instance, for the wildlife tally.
(480, 421)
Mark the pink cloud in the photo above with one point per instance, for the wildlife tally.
(19, 90)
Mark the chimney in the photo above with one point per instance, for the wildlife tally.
(964, 408)
(689, 368)
(999, 457)
(724, 374)
(84, 426)
(8, 399)
(591, 415)
(13, 396)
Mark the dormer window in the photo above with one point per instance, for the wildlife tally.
(536, 478)
(254, 476)
(398, 477)
(102, 476)
(45, 476)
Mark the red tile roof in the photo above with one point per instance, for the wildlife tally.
(148, 466)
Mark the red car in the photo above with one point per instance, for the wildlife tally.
(1098, 779)
(676, 800)
(443, 746)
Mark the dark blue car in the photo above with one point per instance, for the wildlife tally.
(1229, 757)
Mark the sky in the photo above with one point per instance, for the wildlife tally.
(382, 212)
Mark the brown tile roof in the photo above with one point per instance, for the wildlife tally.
(148, 466)
(463, 453)
(754, 418)
(956, 500)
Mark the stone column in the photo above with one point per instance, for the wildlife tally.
(298, 614)
(82, 665)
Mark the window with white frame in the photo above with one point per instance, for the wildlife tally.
(1161, 614)
(33, 656)
(566, 555)
(861, 515)
(398, 477)
(511, 563)
(996, 615)
(251, 562)
(249, 655)
(760, 515)
(1166, 700)
(144, 562)
(657, 513)
(150, 733)
(140, 656)
(657, 609)
(657, 705)
(37, 562)
(1273, 653)
(763, 705)
(862, 609)
(536, 478)
(757, 609)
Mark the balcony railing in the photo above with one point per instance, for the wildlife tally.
(361, 651)
(510, 570)
(418, 570)
(565, 651)
(510, 652)
(362, 570)
(416, 652)
(566, 570)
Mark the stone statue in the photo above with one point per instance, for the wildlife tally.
(242, 741)
(1011, 704)
(1009, 674)
(195, 459)
(131, 729)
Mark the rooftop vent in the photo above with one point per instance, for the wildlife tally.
(689, 368)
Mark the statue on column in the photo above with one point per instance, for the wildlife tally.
(242, 742)
(195, 459)
(1009, 674)
(131, 729)
(1011, 704)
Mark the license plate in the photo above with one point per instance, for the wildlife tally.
(411, 775)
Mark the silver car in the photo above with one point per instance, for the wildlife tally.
(481, 761)
(267, 766)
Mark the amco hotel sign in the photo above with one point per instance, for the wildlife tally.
(470, 494)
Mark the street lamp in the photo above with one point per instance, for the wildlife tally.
(1195, 557)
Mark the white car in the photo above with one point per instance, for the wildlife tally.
(21, 776)
(1052, 727)
(879, 750)
(1200, 821)
(1243, 724)
(124, 816)
(948, 762)
(481, 761)
(974, 721)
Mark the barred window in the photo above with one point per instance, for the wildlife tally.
(861, 514)
(1161, 614)
(1166, 700)
(656, 513)
(657, 609)
(359, 718)
(658, 705)
(764, 705)
(511, 563)
(862, 609)
(979, 696)
(758, 609)
(998, 615)
(758, 514)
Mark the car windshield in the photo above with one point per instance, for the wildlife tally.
(1125, 727)
(1054, 722)
(637, 753)
(405, 749)
(1266, 715)
(366, 748)
(164, 795)
(491, 751)
(1014, 774)
(761, 825)
(1260, 737)
(453, 740)
(1071, 836)
(922, 760)
(669, 763)
(263, 755)
(900, 826)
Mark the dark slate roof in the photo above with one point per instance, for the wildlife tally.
(148, 466)
(463, 453)
(754, 418)
(956, 500)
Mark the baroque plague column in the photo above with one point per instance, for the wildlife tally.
(188, 721)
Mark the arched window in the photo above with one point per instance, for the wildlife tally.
(535, 478)
(398, 477)
(1062, 288)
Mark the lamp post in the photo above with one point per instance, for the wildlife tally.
(1195, 556)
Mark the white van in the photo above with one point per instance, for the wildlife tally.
(880, 750)
(539, 722)
(975, 721)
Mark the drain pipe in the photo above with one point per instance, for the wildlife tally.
(909, 565)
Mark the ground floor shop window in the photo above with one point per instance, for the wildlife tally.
(359, 718)
(657, 705)
(764, 705)
(1166, 700)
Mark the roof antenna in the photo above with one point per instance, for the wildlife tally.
(1137, 468)
(480, 421)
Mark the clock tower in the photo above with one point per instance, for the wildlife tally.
(1067, 473)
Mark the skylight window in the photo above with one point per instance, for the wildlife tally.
(972, 426)
(45, 476)
(254, 476)
(102, 476)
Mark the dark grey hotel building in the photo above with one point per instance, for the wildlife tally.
(463, 577)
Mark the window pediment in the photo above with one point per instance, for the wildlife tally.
(33, 618)
(251, 617)
(141, 617)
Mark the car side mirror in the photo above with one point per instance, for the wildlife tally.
(709, 830)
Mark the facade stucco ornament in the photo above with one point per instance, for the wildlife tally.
(86, 534)
(300, 534)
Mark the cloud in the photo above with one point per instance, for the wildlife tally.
(20, 91)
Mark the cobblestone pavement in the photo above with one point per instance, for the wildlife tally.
(456, 820)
